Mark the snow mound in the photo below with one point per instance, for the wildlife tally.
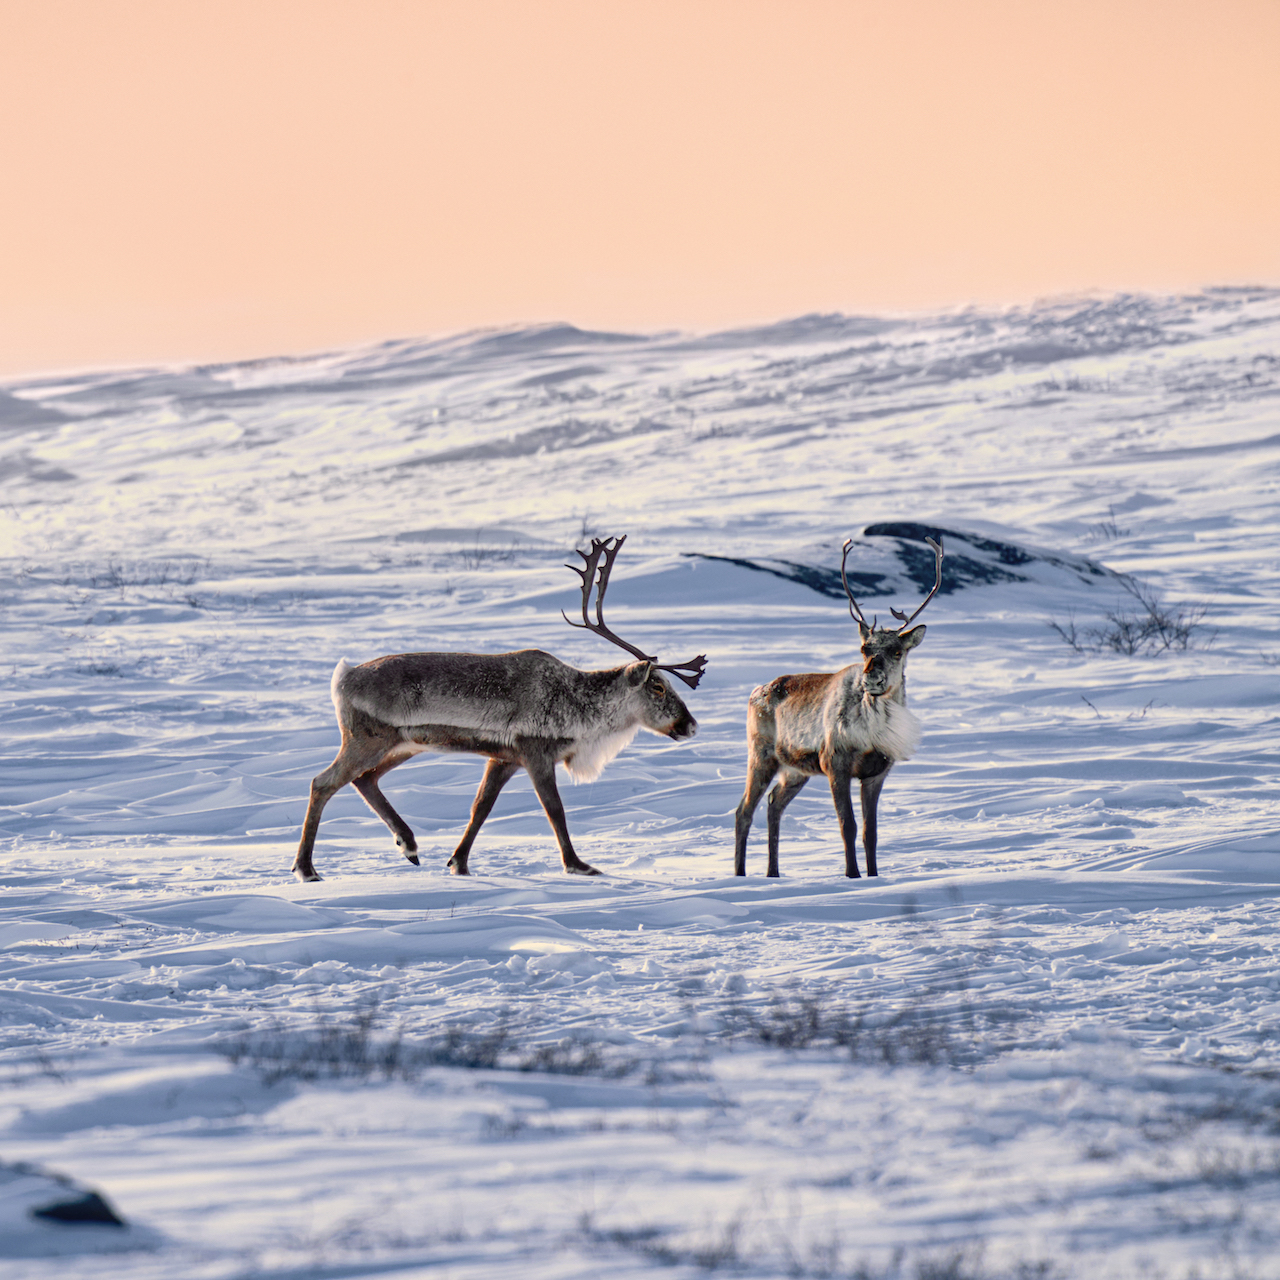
(48, 1215)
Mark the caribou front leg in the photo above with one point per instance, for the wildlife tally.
(871, 787)
(497, 773)
(542, 773)
(839, 773)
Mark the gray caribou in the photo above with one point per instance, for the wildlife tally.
(523, 710)
(852, 723)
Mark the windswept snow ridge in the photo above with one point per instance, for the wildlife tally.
(1046, 1041)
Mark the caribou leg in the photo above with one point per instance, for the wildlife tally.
(870, 798)
(840, 774)
(497, 773)
(783, 794)
(542, 773)
(367, 786)
(760, 773)
(352, 761)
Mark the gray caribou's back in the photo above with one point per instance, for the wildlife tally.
(527, 692)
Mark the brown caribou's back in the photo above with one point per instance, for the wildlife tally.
(788, 711)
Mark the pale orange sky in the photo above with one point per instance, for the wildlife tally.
(212, 179)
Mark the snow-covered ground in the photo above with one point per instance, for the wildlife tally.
(1045, 1042)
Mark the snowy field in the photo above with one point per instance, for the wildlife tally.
(1045, 1042)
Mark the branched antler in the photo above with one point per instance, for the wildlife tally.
(599, 548)
(906, 621)
(855, 611)
(902, 617)
(597, 566)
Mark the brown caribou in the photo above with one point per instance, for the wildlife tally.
(523, 710)
(852, 723)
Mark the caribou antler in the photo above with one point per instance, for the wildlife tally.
(855, 612)
(902, 617)
(588, 575)
(600, 549)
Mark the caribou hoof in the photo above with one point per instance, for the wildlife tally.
(458, 868)
(581, 869)
(307, 877)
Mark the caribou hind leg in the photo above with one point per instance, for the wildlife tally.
(367, 786)
(789, 786)
(760, 772)
(354, 759)
(542, 773)
(497, 773)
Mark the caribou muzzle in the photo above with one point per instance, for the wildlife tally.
(875, 680)
(685, 727)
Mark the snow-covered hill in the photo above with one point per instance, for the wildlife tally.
(1044, 1042)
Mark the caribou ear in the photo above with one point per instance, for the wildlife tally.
(638, 673)
(865, 630)
(913, 637)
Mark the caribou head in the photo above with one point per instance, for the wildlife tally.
(884, 649)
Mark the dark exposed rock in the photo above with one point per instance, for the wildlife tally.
(971, 560)
(90, 1207)
(826, 582)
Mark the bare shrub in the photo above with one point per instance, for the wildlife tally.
(1107, 530)
(1069, 632)
(478, 557)
(1149, 625)
(37, 1065)
(923, 1034)
(587, 532)
(116, 575)
(714, 1249)
(751, 1239)
(354, 1048)
(96, 667)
